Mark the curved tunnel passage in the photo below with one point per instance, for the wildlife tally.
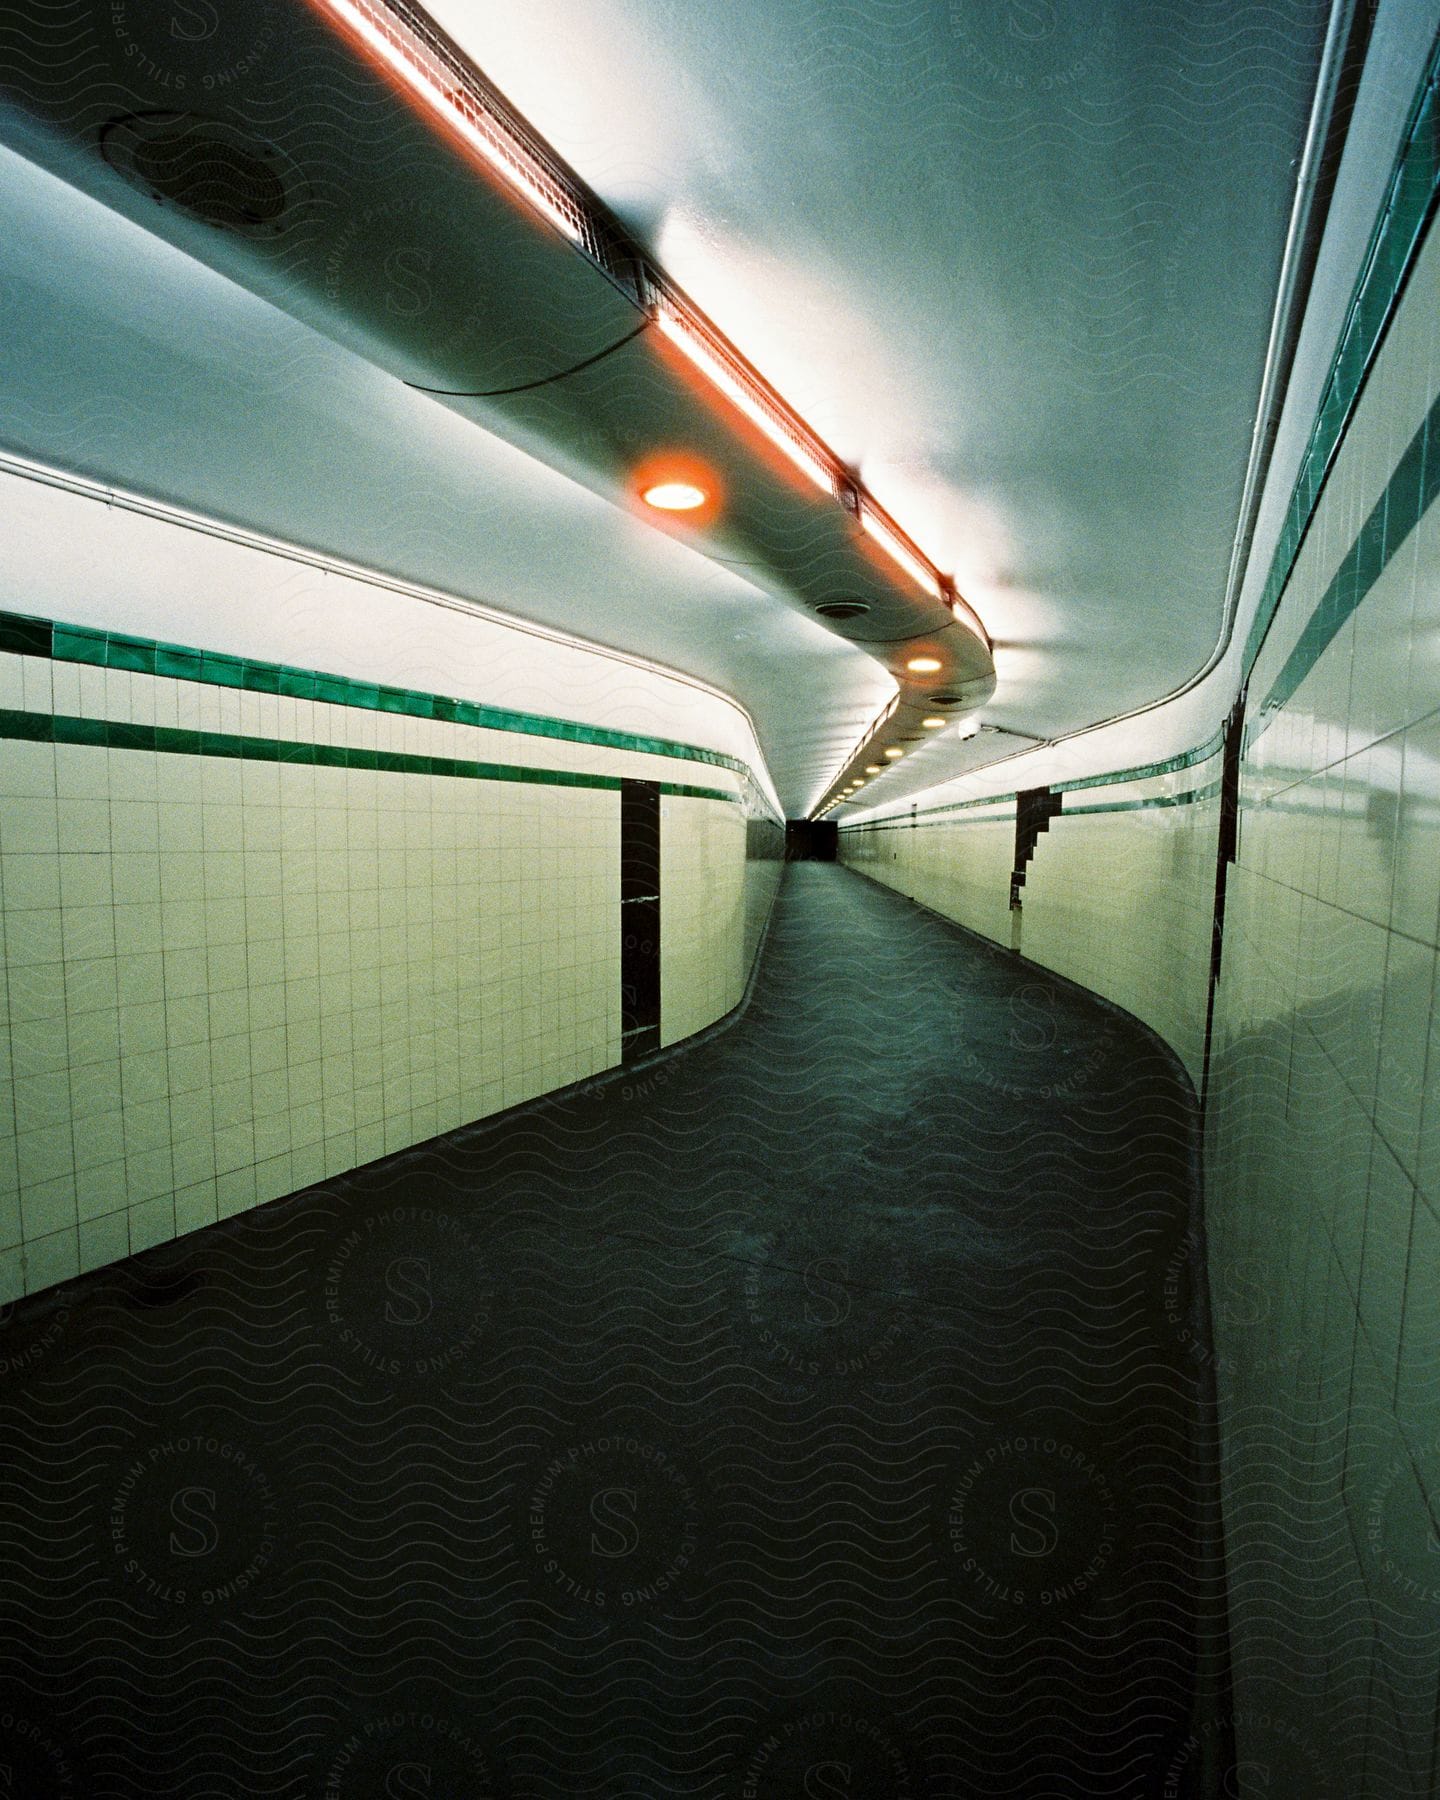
(814, 1411)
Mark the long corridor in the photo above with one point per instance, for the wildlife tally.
(719, 900)
(807, 1412)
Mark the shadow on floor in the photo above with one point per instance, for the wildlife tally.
(810, 1413)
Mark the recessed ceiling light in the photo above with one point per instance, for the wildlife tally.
(674, 496)
(932, 724)
(924, 665)
(894, 751)
(872, 768)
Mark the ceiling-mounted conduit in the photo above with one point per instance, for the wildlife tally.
(437, 73)
(529, 387)
(443, 78)
(370, 136)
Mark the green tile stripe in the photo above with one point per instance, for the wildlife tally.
(1410, 491)
(681, 790)
(1169, 765)
(117, 734)
(922, 822)
(970, 805)
(1210, 791)
(1390, 256)
(23, 635)
(967, 805)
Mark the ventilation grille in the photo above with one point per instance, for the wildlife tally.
(446, 65)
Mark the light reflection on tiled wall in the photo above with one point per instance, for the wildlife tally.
(702, 914)
(1324, 1131)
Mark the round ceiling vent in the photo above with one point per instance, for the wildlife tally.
(947, 699)
(842, 609)
(204, 166)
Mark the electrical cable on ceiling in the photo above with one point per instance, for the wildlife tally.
(524, 387)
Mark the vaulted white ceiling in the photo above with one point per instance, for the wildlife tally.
(125, 360)
(1015, 259)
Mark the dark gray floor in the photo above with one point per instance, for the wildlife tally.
(807, 1414)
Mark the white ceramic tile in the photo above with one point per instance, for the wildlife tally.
(231, 929)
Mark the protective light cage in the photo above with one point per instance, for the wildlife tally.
(450, 87)
(724, 368)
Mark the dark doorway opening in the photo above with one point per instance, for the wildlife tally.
(639, 918)
(811, 840)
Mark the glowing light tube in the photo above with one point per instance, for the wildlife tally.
(443, 93)
(733, 384)
(440, 91)
(899, 551)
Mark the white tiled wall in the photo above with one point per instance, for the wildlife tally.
(1119, 901)
(1323, 1152)
(1122, 902)
(225, 979)
(957, 866)
(229, 979)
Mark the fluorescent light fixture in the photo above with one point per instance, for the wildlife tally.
(932, 724)
(924, 665)
(872, 768)
(900, 550)
(743, 392)
(441, 92)
(894, 751)
(966, 615)
(459, 99)
(674, 496)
